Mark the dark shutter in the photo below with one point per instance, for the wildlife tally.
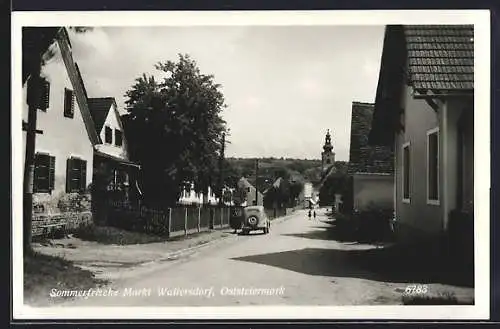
(52, 172)
(118, 137)
(69, 172)
(83, 175)
(41, 174)
(108, 135)
(69, 103)
(44, 95)
(72, 108)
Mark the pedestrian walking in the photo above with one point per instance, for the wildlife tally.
(314, 214)
(309, 214)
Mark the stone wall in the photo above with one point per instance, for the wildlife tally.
(64, 210)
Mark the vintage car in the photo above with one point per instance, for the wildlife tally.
(255, 218)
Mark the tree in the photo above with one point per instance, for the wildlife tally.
(175, 129)
(36, 43)
(295, 190)
(335, 183)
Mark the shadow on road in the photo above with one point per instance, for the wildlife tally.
(320, 233)
(378, 264)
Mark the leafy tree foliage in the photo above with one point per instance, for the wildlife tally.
(36, 45)
(335, 183)
(174, 128)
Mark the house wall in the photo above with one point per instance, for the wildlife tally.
(191, 197)
(452, 111)
(62, 137)
(112, 121)
(251, 197)
(416, 217)
(372, 190)
(308, 190)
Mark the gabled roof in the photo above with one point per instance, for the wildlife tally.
(434, 60)
(243, 182)
(364, 158)
(277, 183)
(99, 108)
(78, 85)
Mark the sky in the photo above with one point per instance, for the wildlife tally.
(284, 85)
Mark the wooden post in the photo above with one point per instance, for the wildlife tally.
(186, 221)
(256, 182)
(199, 219)
(29, 162)
(169, 221)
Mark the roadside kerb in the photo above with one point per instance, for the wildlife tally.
(182, 252)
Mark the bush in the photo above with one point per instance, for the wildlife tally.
(374, 224)
(461, 237)
(442, 299)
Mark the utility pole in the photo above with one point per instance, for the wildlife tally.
(33, 100)
(256, 182)
(221, 165)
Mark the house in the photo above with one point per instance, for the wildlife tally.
(190, 197)
(307, 193)
(228, 195)
(249, 192)
(424, 109)
(64, 150)
(115, 176)
(371, 167)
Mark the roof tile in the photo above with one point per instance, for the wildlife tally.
(99, 108)
(440, 56)
(362, 157)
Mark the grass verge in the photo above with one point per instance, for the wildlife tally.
(442, 299)
(113, 235)
(44, 273)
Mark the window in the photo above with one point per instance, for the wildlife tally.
(44, 95)
(108, 135)
(328, 161)
(69, 103)
(118, 137)
(433, 166)
(406, 172)
(76, 175)
(44, 173)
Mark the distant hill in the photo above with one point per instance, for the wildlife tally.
(271, 168)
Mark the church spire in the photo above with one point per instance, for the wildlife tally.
(328, 147)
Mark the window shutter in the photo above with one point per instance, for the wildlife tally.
(72, 108)
(44, 95)
(52, 171)
(69, 172)
(41, 179)
(83, 175)
(69, 103)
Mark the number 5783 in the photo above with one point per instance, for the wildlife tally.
(415, 289)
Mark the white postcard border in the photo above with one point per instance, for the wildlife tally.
(481, 21)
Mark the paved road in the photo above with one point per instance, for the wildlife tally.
(297, 263)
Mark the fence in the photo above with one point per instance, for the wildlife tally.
(169, 222)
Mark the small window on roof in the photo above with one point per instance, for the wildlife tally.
(118, 137)
(108, 135)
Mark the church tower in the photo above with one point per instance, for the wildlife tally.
(327, 156)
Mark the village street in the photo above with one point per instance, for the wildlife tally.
(298, 259)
